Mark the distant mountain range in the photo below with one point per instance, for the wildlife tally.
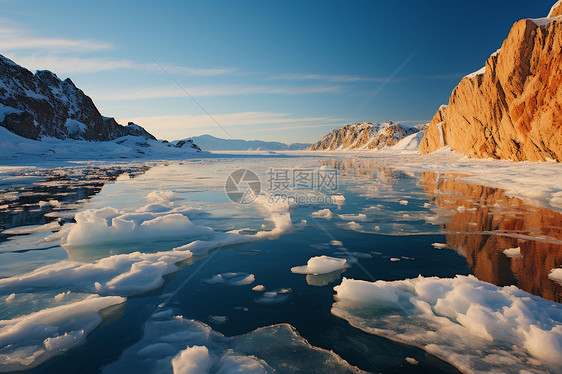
(211, 143)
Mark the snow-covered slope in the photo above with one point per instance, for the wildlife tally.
(363, 136)
(41, 105)
(14, 148)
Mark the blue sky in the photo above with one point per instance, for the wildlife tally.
(287, 70)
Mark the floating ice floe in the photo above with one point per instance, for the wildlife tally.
(32, 229)
(513, 252)
(338, 199)
(353, 217)
(109, 225)
(124, 275)
(556, 275)
(321, 265)
(29, 340)
(172, 344)
(323, 213)
(274, 297)
(278, 213)
(231, 279)
(162, 196)
(476, 326)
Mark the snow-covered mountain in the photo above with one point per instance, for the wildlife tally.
(41, 105)
(41, 115)
(363, 136)
(211, 143)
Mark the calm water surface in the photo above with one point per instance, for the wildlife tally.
(387, 226)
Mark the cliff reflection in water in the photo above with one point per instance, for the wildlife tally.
(488, 222)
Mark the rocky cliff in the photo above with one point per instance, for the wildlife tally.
(41, 105)
(511, 108)
(363, 136)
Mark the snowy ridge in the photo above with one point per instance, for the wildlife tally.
(552, 13)
(363, 136)
(16, 149)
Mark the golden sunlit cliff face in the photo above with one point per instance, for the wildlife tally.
(513, 108)
(483, 210)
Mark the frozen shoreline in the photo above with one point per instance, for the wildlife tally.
(536, 183)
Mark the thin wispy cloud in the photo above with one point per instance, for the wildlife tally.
(66, 55)
(15, 38)
(323, 77)
(75, 65)
(354, 79)
(211, 90)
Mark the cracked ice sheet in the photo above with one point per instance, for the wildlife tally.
(172, 344)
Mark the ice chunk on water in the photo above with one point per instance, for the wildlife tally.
(231, 279)
(278, 213)
(162, 197)
(556, 275)
(32, 229)
(476, 326)
(174, 344)
(513, 252)
(321, 265)
(125, 275)
(323, 213)
(109, 225)
(353, 217)
(192, 360)
(29, 340)
(274, 297)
